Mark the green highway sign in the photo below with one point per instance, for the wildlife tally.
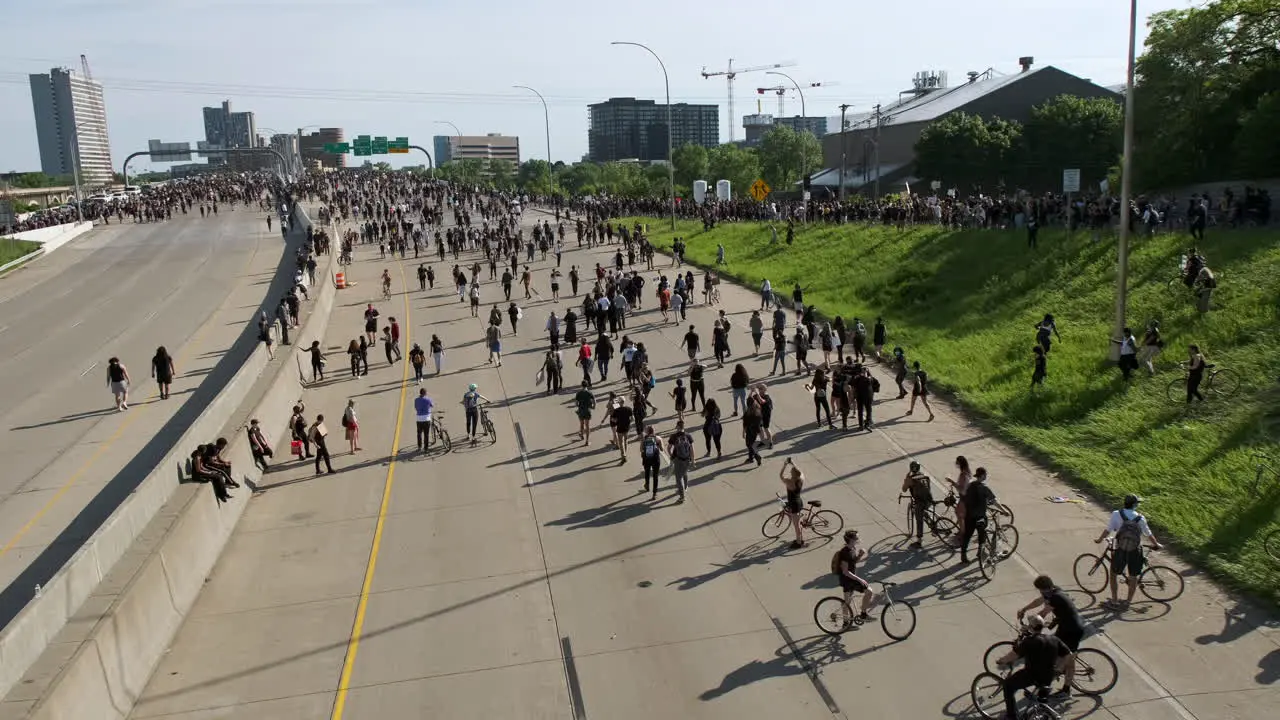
(380, 145)
(365, 145)
(362, 145)
(337, 148)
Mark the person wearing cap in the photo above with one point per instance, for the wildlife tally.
(918, 485)
(844, 564)
(1041, 655)
(1128, 527)
(471, 400)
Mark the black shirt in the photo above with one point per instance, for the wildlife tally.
(621, 415)
(1040, 655)
(849, 560)
(976, 498)
(1064, 611)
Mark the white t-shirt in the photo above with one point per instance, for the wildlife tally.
(1113, 525)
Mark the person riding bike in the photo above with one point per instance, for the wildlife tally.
(843, 565)
(1040, 654)
(386, 282)
(1067, 624)
(1128, 527)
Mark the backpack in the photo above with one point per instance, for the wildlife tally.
(1129, 536)
(682, 447)
(649, 448)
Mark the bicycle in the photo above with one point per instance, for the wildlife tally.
(1264, 467)
(1222, 382)
(1271, 544)
(1000, 544)
(944, 528)
(386, 292)
(987, 694)
(897, 618)
(1158, 582)
(1096, 672)
(439, 434)
(825, 523)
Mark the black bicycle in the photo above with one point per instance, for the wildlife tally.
(1222, 382)
(1095, 674)
(1158, 582)
(941, 526)
(987, 694)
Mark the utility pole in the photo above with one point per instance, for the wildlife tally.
(875, 149)
(844, 147)
(1126, 189)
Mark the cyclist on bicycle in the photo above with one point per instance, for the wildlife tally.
(1040, 654)
(1067, 624)
(471, 400)
(843, 565)
(921, 489)
(386, 282)
(1128, 527)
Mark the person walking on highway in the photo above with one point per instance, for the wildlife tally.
(422, 407)
(471, 400)
(282, 317)
(319, 435)
(118, 381)
(371, 323)
(584, 402)
(162, 370)
(493, 341)
(738, 383)
(258, 445)
(317, 360)
(920, 390)
(352, 425)
(298, 430)
(388, 345)
(417, 358)
(680, 448)
(437, 352)
(354, 352)
(751, 423)
(514, 314)
(395, 337)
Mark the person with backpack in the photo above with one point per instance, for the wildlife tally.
(900, 371)
(1127, 526)
(859, 341)
(650, 460)
(680, 447)
(843, 565)
(917, 484)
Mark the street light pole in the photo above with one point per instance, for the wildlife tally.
(546, 116)
(74, 146)
(456, 133)
(1126, 187)
(671, 172)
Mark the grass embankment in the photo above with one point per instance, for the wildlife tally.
(14, 249)
(965, 303)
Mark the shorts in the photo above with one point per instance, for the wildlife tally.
(1070, 637)
(119, 388)
(919, 393)
(850, 585)
(1127, 562)
(584, 414)
(495, 347)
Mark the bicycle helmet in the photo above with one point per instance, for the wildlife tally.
(472, 386)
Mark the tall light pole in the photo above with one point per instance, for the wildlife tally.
(1126, 186)
(456, 133)
(804, 162)
(75, 165)
(546, 116)
(671, 170)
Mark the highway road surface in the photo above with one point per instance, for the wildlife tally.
(122, 290)
(530, 578)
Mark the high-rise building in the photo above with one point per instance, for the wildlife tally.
(226, 129)
(494, 146)
(757, 125)
(71, 126)
(312, 148)
(631, 129)
(800, 123)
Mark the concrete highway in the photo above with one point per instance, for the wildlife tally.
(531, 579)
(189, 284)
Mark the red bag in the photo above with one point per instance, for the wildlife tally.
(295, 447)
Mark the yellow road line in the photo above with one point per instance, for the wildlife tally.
(357, 628)
(196, 342)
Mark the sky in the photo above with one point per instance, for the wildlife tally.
(404, 67)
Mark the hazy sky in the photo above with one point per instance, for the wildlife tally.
(394, 67)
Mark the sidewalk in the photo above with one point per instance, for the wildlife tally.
(530, 578)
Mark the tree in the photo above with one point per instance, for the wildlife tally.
(740, 166)
(382, 166)
(656, 180)
(1071, 132)
(690, 163)
(1205, 69)
(1257, 143)
(32, 180)
(785, 155)
(502, 175)
(581, 179)
(969, 153)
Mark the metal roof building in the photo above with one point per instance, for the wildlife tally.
(986, 94)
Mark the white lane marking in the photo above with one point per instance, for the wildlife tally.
(524, 456)
(2, 329)
(153, 314)
(86, 371)
(78, 323)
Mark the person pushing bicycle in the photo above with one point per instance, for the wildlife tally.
(918, 484)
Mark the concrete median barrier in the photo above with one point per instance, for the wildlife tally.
(87, 645)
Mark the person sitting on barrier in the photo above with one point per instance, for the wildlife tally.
(201, 472)
(220, 463)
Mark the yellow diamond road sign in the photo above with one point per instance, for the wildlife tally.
(760, 190)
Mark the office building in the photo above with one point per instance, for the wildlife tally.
(757, 125)
(494, 146)
(312, 148)
(631, 129)
(71, 126)
(226, 129)
(817, 126)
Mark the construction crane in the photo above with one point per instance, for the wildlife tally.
(732, 72)
(782, 90)
(84, 64)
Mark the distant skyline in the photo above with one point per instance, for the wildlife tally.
(395, 67)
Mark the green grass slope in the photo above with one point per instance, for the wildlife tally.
(965, 303)
(14, 249)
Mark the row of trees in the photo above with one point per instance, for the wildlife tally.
(973, 154)
(781, 159)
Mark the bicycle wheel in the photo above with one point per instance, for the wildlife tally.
(826, 523)
(911, 518)
(1161, 583)
(1006, 540)
(1095, 672)
(832, 616)
(442, 437)
(944, 528)
(1271, 544)
(987, 694)
(898, 620)
(1224, 383)
(1005, 512)
(775, 525)
(994, 653)
(490, 431)
(988, 558)
(1177, 391)
(1092, 574)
